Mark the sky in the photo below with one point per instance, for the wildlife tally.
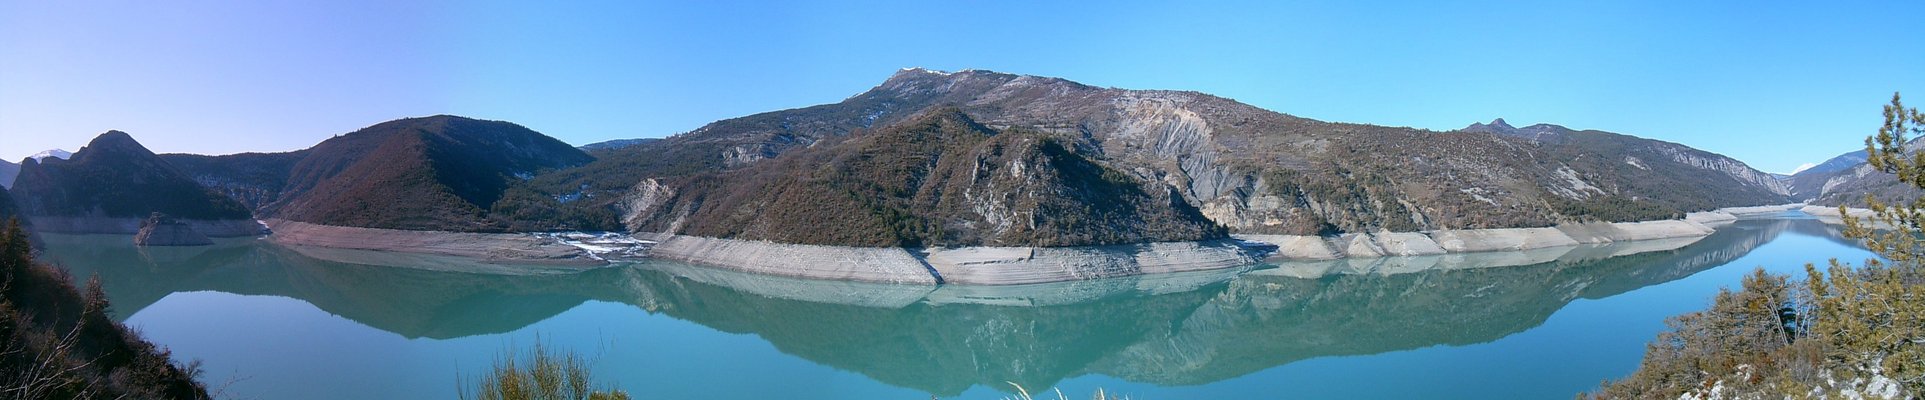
(1773, 84)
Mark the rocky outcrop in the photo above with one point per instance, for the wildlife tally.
(162, 230)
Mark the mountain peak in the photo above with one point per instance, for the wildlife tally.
(54, 153)
(113, 142)
(1498, 126)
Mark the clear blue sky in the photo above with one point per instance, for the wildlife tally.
(1773, 84)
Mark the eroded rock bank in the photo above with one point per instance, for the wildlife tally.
(162, 230)
(1377, 252)
(1831, 215)
(967, 266)
(1411, 244)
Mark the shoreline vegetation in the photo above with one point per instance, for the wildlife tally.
(57, 341)
(1844, 331)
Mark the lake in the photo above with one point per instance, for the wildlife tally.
(276, 322)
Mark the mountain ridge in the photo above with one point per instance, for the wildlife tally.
(114, 176)
(1248, 169)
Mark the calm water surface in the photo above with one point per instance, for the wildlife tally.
(296, 323)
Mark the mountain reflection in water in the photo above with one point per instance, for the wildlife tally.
(1177, 329)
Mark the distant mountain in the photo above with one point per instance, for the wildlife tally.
(1662, 172)
(53, 153)
(8, 170)
(1810, 183)
(1241, 167)
(256, 179)
(616, 144)
(1849, 186)
(432, 173)
(115, 177)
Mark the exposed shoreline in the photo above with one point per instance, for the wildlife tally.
(506, 248)
(1031, 265)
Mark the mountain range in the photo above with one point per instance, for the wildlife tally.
(1847, 179)
(931, 158)
(115, 177)
(1245, 168)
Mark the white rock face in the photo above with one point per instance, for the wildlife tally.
(1473, 240)
(1627, 231)
(885, 265)
(1728, 166)
(1299, 247)
(1407, 244)
(644, 200)
(1357, 245)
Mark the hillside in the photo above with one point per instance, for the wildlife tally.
(1665, 174)
(940, 179)
(116, 177)
(430, 173)
(1846, 179)
(1811, 182)
(61, 344)
(255, 179)
(8, 208)
(8, 170)
(1244, 168)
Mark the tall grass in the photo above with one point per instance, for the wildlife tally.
(539, 374)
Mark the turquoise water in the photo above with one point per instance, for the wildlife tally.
(285, 323)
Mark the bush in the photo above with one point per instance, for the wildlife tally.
(540, 374)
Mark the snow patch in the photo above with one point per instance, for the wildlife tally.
(55, 153)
